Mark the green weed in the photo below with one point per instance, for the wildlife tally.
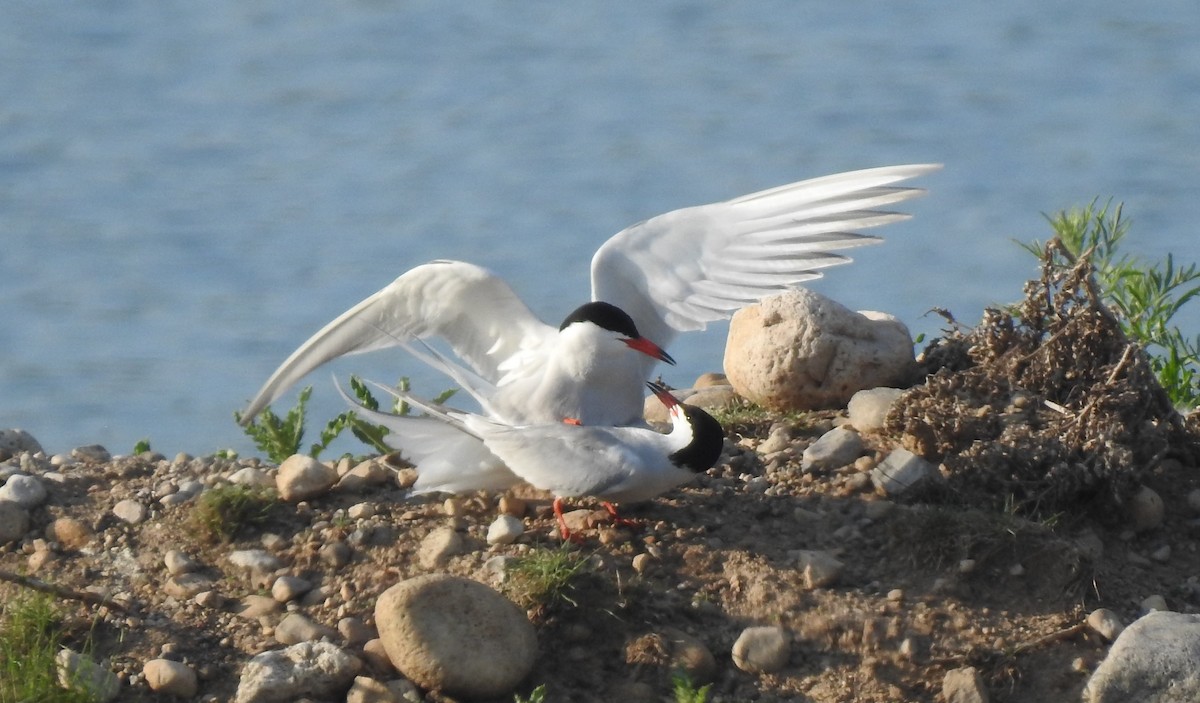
(221, 513)
(31, 634)
(686, 691)
(544, 578)
(537, 695)
(1145, 296)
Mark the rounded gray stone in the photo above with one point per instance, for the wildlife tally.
(456, 635)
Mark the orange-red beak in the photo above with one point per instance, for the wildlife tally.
(649, 348)
(663, 394)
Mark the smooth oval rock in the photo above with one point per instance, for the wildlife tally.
(25, 491)
(761, 650)
(1152, 661)
(301, 477)
(456, 635)
(170, 677)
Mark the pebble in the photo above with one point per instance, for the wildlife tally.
(690, 655)
(186, 586)
(367, 690)
(1155, 602)
(512, 505)
(964, 685)
(820, 568)
(252, 478)
(438, 546)
(454, 507)
(838, 447)
(505, 530)
(1145, 510)
(643, 563)
(361, 511)
(91, 452)
(308, 670)
(1105, 623)
(170, 677)
(26, 491)
(257, 561)
(296, 628)
(868, 409)
(363, 476)
(336, 554)
(779, 439)
(301, 477)
(761, 650)
(288, 588)
(354, 631)
(14, 522)
(456, 635)
(178, 562)
(71, 534)
(1193, 500)
(80, 673)
(130, 511)
(900, 471)
(1161, 554)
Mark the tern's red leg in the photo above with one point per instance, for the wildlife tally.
(562, 523)
(572, 421)
(617, 519)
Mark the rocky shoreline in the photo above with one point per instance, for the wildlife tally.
(788, 572)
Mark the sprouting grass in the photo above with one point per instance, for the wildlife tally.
(280, 438)
(686, 691)
(30, 636)
(222, 512)
(537, 695)
(1145, 296)
(545, 577)
(142, 445)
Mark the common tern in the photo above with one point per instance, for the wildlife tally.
(672, 273)
(615, 464)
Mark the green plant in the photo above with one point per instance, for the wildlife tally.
(1145, 296)
(685, 689)
(142, 445)
(280, 438)
(222, 512)
(544, 577)
(537, 695)
(31, 635)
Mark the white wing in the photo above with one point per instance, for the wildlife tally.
(474, 311)
(679, 271)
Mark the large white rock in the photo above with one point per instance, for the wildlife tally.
(1153, 661)
(306, 670)
(802, 351)
(455, 635)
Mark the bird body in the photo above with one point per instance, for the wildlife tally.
(672, 273)
(617, 464)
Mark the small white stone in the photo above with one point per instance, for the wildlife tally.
(170, 677)
(505, 530)
(178, 562)
(296, 628)
(438, 546)
(900, 471)
(1106, 623)
(360, 511)
(302, 477)
(289, 588)
(130, 511)
(868, 409)
(252, 477)
(761, 650)
(1155, 602)
(255, 560)
(78, 672)
(26, 491)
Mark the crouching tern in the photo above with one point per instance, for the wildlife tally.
(670, 274)
(614, 464)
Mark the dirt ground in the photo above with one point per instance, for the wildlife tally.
(1042, 429)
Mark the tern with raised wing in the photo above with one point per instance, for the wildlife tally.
(672, 273)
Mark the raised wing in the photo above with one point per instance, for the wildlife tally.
(474, 311)
(681, 270)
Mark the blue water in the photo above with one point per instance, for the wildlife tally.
(188, 190)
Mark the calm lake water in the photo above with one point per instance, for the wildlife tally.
(188, 190)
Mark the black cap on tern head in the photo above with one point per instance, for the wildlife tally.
(603, 315)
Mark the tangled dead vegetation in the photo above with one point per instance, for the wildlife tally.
(1044, 407)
